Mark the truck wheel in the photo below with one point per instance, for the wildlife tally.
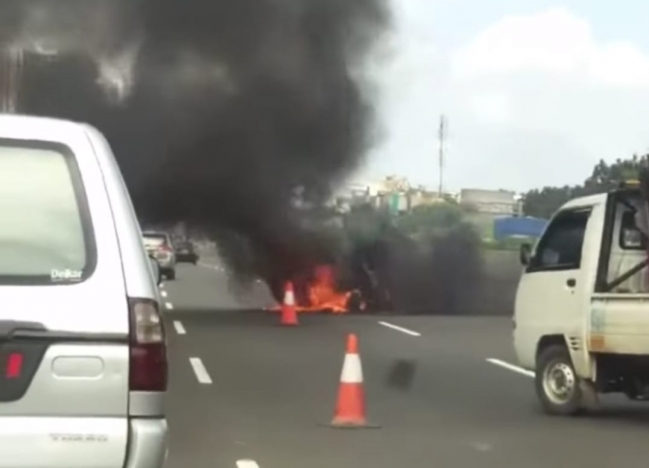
(557, 384)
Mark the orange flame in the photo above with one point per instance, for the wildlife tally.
(322, 294)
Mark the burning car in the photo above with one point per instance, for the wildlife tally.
(376, 265)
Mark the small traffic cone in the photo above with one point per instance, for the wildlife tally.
(350, 407)
(289, 314)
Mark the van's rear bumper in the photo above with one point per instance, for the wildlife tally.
(147, 443)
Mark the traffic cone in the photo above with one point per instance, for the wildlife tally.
(289, 314)
(350, 407)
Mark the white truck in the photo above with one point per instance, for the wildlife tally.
(581, 316)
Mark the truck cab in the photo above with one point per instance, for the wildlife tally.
(581, 315)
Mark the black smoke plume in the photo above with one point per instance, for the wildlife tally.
(219, 111)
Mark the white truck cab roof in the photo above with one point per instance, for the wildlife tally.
(586, 201)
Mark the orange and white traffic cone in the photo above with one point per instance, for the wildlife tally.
(289, 313)
(350, 407)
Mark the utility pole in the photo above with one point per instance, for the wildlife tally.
(442, 136)
(11, 59)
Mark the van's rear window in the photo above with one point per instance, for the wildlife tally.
(154, 240)
(45, 228)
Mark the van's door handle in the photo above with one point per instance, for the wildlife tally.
(571, 282)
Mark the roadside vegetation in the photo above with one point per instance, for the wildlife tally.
(544, 202)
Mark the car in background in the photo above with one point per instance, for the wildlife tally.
(185, 251)
(159, 245)
(82, 345)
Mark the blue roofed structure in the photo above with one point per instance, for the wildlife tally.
(514, 226)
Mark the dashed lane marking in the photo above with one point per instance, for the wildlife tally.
(164, 293)
(200, 371)
(247, 464)
(213, 267)
(511, 367)
(169, 305)
(179, 327)
(401, 329)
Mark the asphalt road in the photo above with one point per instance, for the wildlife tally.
(243, 388)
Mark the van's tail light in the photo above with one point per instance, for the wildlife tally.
(148, 348)
(14, 366)
(165, 249)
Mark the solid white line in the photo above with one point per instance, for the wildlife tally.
(164, 293)
(511, 367)
(169, 305)
(401, 329)
(179, 327)
(247, 464)
(200, 371)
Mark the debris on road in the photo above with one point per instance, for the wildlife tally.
(402, 374)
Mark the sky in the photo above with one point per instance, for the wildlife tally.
(535, 92)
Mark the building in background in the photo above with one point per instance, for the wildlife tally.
(494, 202)
(486, 206)
(398, 195)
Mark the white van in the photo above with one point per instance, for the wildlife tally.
(83, 365)
(581, 319)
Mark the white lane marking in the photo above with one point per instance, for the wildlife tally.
(401, 329)
(179, 327)
(511, 367)
(200, 371)
(169, 305)
(247, 464)
(164, 293)
(213, 267)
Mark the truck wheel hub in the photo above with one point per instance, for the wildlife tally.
(559, 382)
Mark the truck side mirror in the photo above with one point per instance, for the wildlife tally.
(525, 254)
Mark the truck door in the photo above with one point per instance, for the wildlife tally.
(552, 288)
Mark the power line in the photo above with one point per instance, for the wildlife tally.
(442, 136)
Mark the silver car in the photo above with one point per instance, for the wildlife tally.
(160, 247)
(83, 356)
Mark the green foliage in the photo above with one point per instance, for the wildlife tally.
(433, 222)
(430, 218)
(365, 224)
(427, 225)
(544, 202)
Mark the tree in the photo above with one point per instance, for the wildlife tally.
(544, 202)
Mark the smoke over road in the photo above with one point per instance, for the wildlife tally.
(218, 110)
